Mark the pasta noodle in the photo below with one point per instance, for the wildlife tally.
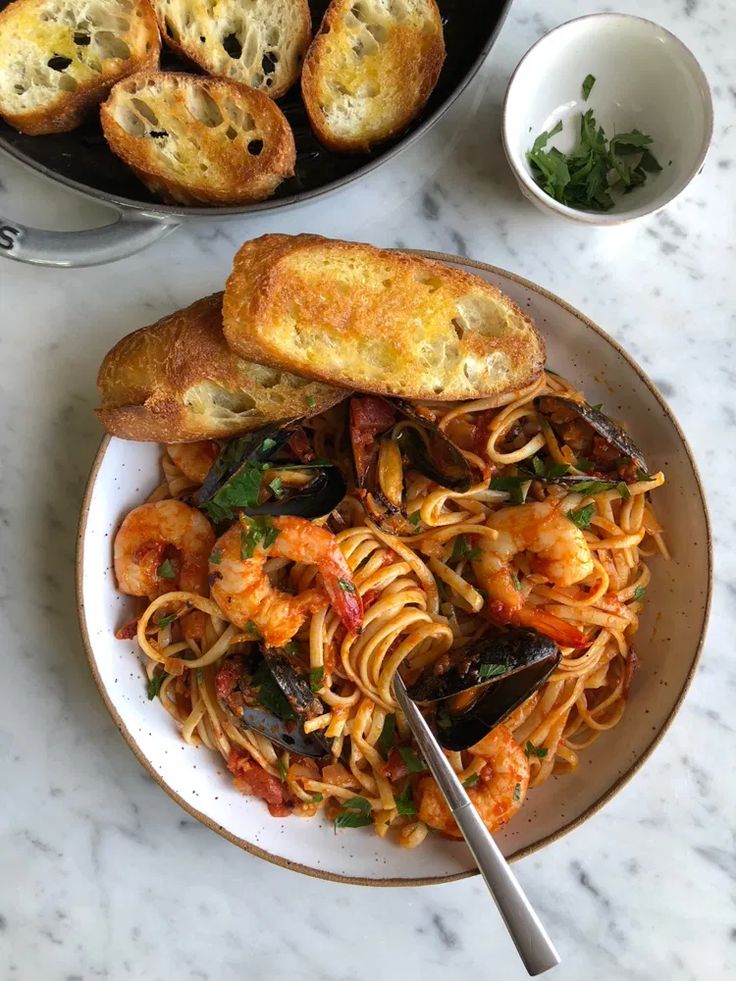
(422, 598)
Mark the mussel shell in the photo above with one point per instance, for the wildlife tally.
(431, 452)
(288, 735)
(522, 660)
(293, 681)
(508, 653)
(601, 424)
(236, 454)
(495, 704)
(313, 500)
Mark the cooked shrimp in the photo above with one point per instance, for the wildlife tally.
(194, 459)
(245, 594)
(499, 793)
(166, 537)
(560, 552)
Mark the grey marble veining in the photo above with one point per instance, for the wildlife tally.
(102, 875)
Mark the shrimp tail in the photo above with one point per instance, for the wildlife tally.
(546, 623)
(346, 600)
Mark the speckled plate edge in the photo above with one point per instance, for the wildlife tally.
(522, 852)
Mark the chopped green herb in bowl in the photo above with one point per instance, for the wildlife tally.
(597, 169)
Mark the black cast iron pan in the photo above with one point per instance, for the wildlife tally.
(82, 161)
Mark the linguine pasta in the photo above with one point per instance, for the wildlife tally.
(422, 598)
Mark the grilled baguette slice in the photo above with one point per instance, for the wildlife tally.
(370, 69)
(261, 44)
(376, 320)
(177, 381)
(195, 140)
(61, 57)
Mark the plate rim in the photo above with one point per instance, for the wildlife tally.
(571, 825)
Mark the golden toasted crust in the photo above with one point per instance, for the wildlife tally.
(100, 44)
(177, 381)
(370, 69)
(261, 44)
(376, 320)
(196, 140)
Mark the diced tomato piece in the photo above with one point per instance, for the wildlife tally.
(300, 446)
(227, 677)
(252, 779)
(395, 768)
(127, 631)
(369, 416)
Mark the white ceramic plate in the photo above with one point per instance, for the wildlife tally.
(668, 644)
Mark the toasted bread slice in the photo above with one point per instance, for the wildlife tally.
(370, 69)
(261, 43)
(61, 57)
(375, 320)
(177, 381)
(197, 140)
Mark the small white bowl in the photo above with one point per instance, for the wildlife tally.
(645, 79)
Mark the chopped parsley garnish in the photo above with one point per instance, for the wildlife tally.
(517, 792)
(267, 445)
(548, 469)
(471, 781)
(311, 401)
(252, 628)
(531, 750)
(597, 166)
(270, 695)
(254, 532)
(166, 570)
(516, 582)
(623, 490)
(216, 556)
(489, 670)
(595, 486)
(277, 488)
(413, 762)
(316, 799)
(387, 739)
(461, 550)
(404, 803)
(588, 83)
(598, 407)
(153, 688)
(514, 487)
(356, 813)
(582, 516)
(643, 475)
(165, 621)
(240, 491)
(639, 593)
(584, 464)
(414, 519)
(316, 677)
(282, 769)
(346, 585)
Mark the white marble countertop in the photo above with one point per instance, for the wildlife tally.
(102, 875)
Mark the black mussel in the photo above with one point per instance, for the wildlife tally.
(293, 680)
(592, 435)
(381, 429)
(430, 451)
(234, 481)
(482, 685)
(281, 705)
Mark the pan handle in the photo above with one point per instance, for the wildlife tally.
(130, 232)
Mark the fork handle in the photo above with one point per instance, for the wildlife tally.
(532, 942)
